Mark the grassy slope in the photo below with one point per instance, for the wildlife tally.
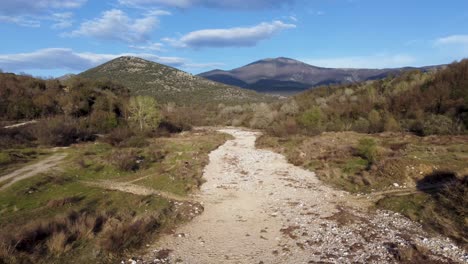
(29, 205)
(168, 84)
(403, 159)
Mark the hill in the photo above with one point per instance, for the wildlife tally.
(167, 84)
(284, 75)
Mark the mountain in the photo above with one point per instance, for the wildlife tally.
(168, 84)
(284, 75)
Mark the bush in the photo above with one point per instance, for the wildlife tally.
(361, 125)
(123, 234)
(367, 149)
(263, 116)
(61, 131)
(103, 121)
(311, 119)
(118, 135)
(55, 235)
(437, 125)
(4, 158)
(124, 159)
(391, 124)
(15, 137)
(375, 121)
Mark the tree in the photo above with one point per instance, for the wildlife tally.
(143, 112)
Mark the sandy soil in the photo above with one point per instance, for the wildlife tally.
(260, 209)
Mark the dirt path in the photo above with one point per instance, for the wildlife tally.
(128, 187)
(31, 170)
(261, 209)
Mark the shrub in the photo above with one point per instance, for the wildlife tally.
(55, 235)
(15, 137)
(4, 158)
(122, 234)
(61, 131)
(290, 108)
(263, 116)
(391, 124)
(375, 121)
(367, 149)
(437, 125)
(172, 127)
(118, 135)
(361, 125)
(124, 159)
(103, 121)
(312, 120)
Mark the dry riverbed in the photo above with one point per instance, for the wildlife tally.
(260, 209)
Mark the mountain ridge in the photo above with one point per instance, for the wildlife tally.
(289, 75)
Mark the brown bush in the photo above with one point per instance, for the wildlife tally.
(118, 135)
(56, 235)
(61, 131)
(123, 234)
(16, 137)
(124, 159)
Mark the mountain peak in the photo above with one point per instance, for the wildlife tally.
(283, 60)
(167, 84)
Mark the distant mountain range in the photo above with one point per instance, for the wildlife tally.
(168, 84)
(287, 76)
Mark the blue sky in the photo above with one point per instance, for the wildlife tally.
(54, 37)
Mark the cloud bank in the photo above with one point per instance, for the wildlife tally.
(231, 37)
(117, 25)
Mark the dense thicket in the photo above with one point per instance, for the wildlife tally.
(425, 103)
(67, 112)
(24, 97)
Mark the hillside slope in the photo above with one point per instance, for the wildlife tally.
(167, 84)
(282, 75)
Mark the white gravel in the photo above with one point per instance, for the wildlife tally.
(261, 209)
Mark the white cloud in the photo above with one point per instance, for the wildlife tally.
(62, 20)
(14, 7)
(372, 62)
(228, 4)
(23, 21)
(231, 37)
(29, 13)
(149, 46)
(117, 25)
(453, 40)
(69, 60)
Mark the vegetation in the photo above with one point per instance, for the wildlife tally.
(372, 137)
(423, 103)
(61, 215)
(144, 112)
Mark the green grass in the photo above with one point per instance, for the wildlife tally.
(354, 165)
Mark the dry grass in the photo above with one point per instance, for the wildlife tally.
(435, 165)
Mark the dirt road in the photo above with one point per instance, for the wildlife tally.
(261, 209)
(31, 170)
